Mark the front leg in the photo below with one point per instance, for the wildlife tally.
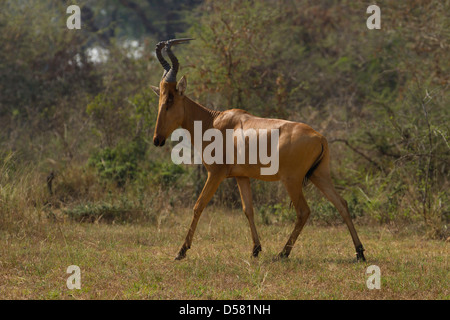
(247, 205)
(212, 183)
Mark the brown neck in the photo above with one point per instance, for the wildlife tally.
(196, 112)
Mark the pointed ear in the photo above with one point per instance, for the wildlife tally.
(155, 90)
(181, 85)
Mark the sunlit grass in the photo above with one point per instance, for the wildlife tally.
(132, 261)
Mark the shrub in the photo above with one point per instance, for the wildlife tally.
(119, 164)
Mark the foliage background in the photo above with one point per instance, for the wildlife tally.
(77, 115)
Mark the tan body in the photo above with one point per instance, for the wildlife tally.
(303, 152)
(298, 145)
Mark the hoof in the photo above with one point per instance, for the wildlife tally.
(181, 255)
(281, 256)
(256, 250)
(360, 254)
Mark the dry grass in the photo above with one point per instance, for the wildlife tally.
(133, 261)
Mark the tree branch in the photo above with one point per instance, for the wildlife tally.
(358, 152)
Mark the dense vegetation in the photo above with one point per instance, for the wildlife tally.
(77, 114)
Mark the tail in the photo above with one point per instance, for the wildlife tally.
(316, 163)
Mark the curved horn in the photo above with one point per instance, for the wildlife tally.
(161, 59)
(171, 73)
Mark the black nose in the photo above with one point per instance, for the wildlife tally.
(158, 141)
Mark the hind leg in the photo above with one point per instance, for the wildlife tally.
(321, 178)
(294, 188)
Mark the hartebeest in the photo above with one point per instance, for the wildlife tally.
(303, 153)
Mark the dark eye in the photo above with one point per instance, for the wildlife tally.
(169, 101)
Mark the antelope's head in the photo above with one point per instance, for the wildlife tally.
(171, 94)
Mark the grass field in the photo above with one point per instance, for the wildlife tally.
(133, 261)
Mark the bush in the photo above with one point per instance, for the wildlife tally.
(121, 163)
(121, 212)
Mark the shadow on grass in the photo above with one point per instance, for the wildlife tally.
(326, 260)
